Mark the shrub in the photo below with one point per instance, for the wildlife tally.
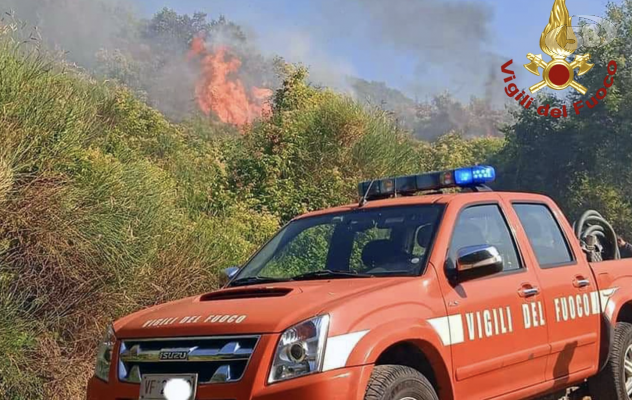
(105, 208)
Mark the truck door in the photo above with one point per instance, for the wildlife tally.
(493, 352)
(571, 300)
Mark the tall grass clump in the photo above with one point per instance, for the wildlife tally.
(105, 208)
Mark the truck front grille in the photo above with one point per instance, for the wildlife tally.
(213, 359)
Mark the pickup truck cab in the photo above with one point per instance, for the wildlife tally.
(447, 295)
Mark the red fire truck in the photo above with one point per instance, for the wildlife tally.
(432, 286)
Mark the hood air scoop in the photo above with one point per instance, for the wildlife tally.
(245, 293)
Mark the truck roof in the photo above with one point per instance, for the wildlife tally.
(442, 198)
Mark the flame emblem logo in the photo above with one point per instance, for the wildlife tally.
(558, 41)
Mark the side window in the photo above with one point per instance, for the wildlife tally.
(484, 224)
(544, 233)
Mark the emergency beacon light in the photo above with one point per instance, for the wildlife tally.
(468, 177)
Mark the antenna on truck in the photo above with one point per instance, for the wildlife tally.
(363, 199)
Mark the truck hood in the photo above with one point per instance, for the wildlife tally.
(255, 309)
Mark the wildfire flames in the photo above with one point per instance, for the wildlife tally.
(219, 89)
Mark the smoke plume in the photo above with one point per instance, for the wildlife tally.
(79, 28)
(429, 45)
(433, 45)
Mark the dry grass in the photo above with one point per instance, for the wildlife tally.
(105, 208)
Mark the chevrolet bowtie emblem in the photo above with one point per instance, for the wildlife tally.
(558, 41)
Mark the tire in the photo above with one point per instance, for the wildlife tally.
(609, 384)
(396, 382)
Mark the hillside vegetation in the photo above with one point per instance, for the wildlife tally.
(107, 207)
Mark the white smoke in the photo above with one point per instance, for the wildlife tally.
(445, 42)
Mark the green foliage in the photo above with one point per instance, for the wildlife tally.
(534, 143)
(167, 28)
(590, 193)
(445, 114)
(453, 151)
(584, 160)
(105, 201)
(315, 149)
(18, 335)
(102, 201)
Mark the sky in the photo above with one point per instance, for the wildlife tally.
(311, 32)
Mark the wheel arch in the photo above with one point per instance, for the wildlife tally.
(624, 313)
(402, 343)
(616, 309)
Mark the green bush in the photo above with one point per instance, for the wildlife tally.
(106, 207)
(318, 145)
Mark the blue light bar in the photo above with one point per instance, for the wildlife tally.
(474, 175)
(409, 185)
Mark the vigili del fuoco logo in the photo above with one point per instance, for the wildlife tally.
(559, 41)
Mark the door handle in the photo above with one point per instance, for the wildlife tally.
(528, 291)
(580, 282)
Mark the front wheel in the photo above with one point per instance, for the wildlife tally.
(396, 382)
(614, 382)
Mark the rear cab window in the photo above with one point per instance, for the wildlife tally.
(545, 235)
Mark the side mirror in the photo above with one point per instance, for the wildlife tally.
(227, 274)
(478, 261)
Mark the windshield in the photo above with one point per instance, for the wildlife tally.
(392, 241)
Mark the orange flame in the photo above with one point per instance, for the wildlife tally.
(220, 91)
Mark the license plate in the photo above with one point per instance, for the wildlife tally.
(152, 386)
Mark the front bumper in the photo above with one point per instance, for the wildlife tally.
(341, 384)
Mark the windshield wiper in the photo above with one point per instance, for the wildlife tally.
(253, 280)
(323, 274)
(326, 273)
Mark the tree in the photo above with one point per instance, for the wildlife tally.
(583, 160)
(152, 57)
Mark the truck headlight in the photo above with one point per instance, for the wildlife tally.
(300, 350)
(104, 354)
